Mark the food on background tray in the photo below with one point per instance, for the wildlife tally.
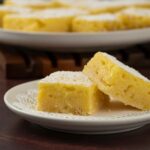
(135, 18)
(5, 10)
(7, 2)
(96, 23)
(125, 15)
(73, 3)
(42, 4)
(139, 3)
(94, 6)
(98, 7)
(52, 20)
(34, 4)
(102, 7)
(119, 81)
(69, 92)
(67, 3)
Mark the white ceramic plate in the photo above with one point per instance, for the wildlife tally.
(117, 118)
(76, 40)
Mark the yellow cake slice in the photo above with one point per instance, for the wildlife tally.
(119, 81)
(51, 20)
(5, 10)
(135, 18)
(69, 92)
(95, 23)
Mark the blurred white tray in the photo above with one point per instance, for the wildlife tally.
(76, 40)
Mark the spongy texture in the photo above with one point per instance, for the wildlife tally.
(119, 81)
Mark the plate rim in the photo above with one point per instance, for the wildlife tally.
(75, 42)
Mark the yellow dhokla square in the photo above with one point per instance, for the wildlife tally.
(5, 10)
(69, 92)
(135, 18)
(119, 81)
(95, 23)
(53, 20)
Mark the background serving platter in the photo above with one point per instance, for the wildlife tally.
(106, 40)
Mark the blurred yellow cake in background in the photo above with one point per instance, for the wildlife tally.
(7, 2)
(51, 20)
(119, 81)
(139, 3)
(96, 23)
(135, 17)
(73, 3)
(5, 10)
(74, 15)
(34, 4)
(97, 7)
(69, 92)
(66, 3)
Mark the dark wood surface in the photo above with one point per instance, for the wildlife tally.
(18, 134)
(22, 63)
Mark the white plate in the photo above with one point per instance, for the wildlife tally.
(75, 40)
(22, 99)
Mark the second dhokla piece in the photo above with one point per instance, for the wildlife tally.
(119, 81)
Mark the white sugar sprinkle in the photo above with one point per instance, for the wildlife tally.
(51, 13)
(67, 77)
(14, 9)
(127, 68)
(102, 17)
(137, 11)
(24, 2)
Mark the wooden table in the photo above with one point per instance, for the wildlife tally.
(18, 134)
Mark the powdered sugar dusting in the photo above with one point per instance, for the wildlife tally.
(114, 4)
(102, 17)
(52, 13)
(14, 9)
(67, 77)
(127, 68)
(137, 12)
(24, 2)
